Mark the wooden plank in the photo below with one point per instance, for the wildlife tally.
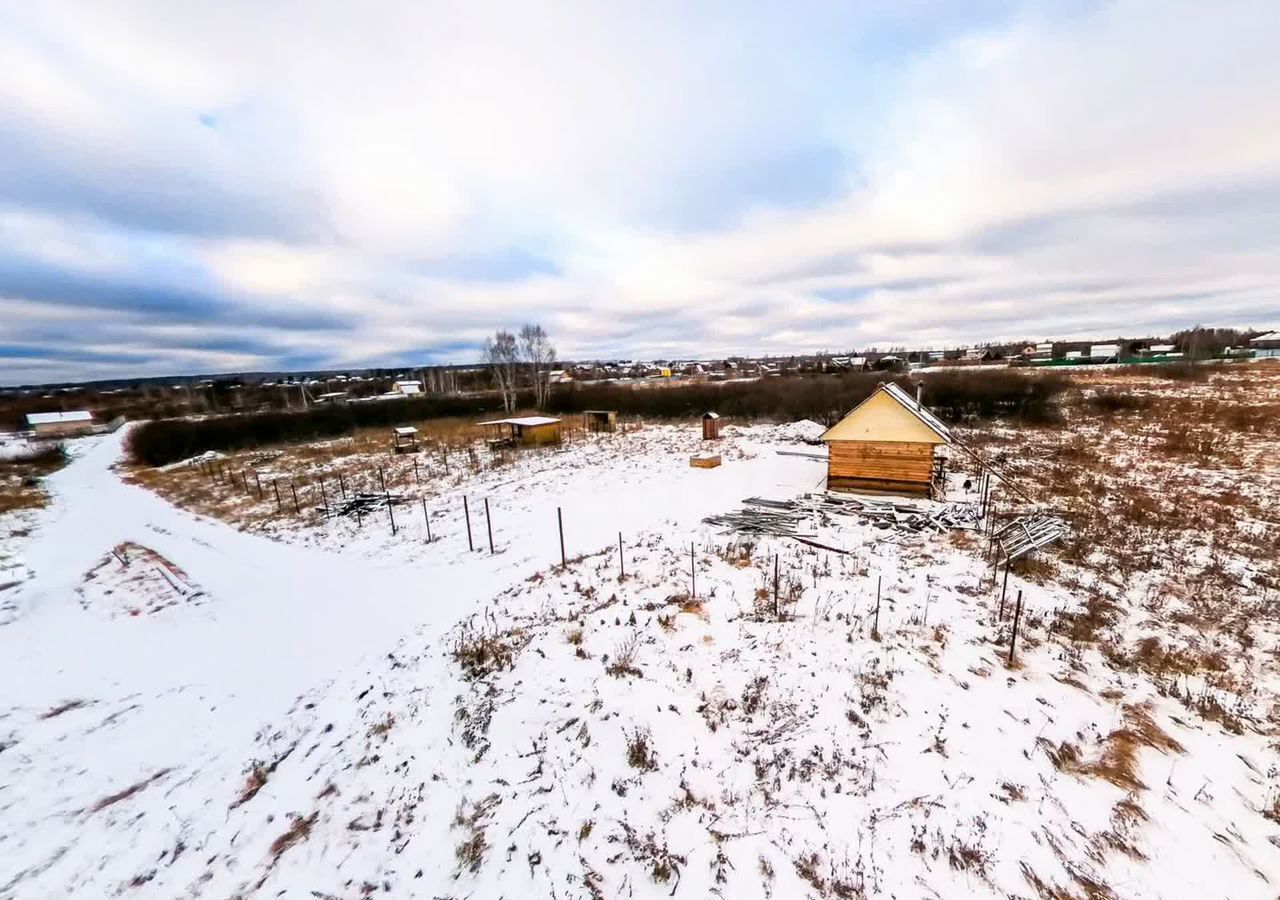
(881, 466)
(877, 486)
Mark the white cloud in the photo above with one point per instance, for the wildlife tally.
(1112, 168)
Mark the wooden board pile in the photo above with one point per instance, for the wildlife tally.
(364, 504)
(784, 517)
(1028, 533)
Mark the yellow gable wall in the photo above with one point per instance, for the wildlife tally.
(881, 418)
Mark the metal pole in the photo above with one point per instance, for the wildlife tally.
(776, 608)
(466, 511)
(560, 522)
(1017, 617)
(391, 515)
(875, 629)
(1008, 563)
(488, 523)
(258, 482)
(276, 487)
(622, 564)
(342, 485)
(382, 480)
(416, 479)
(426, 518)
(293, 487)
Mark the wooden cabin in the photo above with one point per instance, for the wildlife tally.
(600, 420)
(524, 431)
(61, 424)
(710, 426)
(887, 444)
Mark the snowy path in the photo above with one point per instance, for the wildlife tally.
(190, 689)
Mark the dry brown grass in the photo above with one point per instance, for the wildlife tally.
(298, 832)
(20, 486)
(118, 796)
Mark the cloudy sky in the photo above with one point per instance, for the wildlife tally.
(220, 186)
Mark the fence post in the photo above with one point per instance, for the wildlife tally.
(875, 629)
(1008, 563)
(276, 487)
(560, 522)
(416, 479)
(244, 479)
(382, 481)
(488, 523)
(325, 496)
(776, 607)
(622, 564)
(391, 515)
(296, 509)
(693, 574)
(359, 518)
(258, 483)
(342, 485)
(1017, 617)
(426, 518)
(466, 511)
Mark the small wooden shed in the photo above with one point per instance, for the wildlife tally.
(523, 431)
(710, 426)
(887, 444)
(404, 439)
(61, 424)
(600, 420)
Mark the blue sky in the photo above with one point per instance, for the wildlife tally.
(240, 186)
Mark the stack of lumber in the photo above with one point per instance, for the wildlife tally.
(784, 517)
(365, 504)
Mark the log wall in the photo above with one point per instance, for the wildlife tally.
(895, 466)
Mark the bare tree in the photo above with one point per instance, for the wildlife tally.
(539, 355)
(502, 355)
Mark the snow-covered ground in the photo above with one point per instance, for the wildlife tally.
(326, 711)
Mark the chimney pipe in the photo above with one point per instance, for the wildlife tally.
(919, 392)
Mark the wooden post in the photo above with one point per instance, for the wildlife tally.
(296, 509)
(276, 487)
(488, 523)
(560, 523)
(1008, 563)
(776, 607)
(622, 565)
(342, 486)
(244, 479)
(875, 629)
(466, 511)
(693, 574)
(426, 518)
(1017, 617)
(258, 482)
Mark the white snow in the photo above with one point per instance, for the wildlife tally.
(283, 715)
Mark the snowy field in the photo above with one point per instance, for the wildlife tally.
(293, 706)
